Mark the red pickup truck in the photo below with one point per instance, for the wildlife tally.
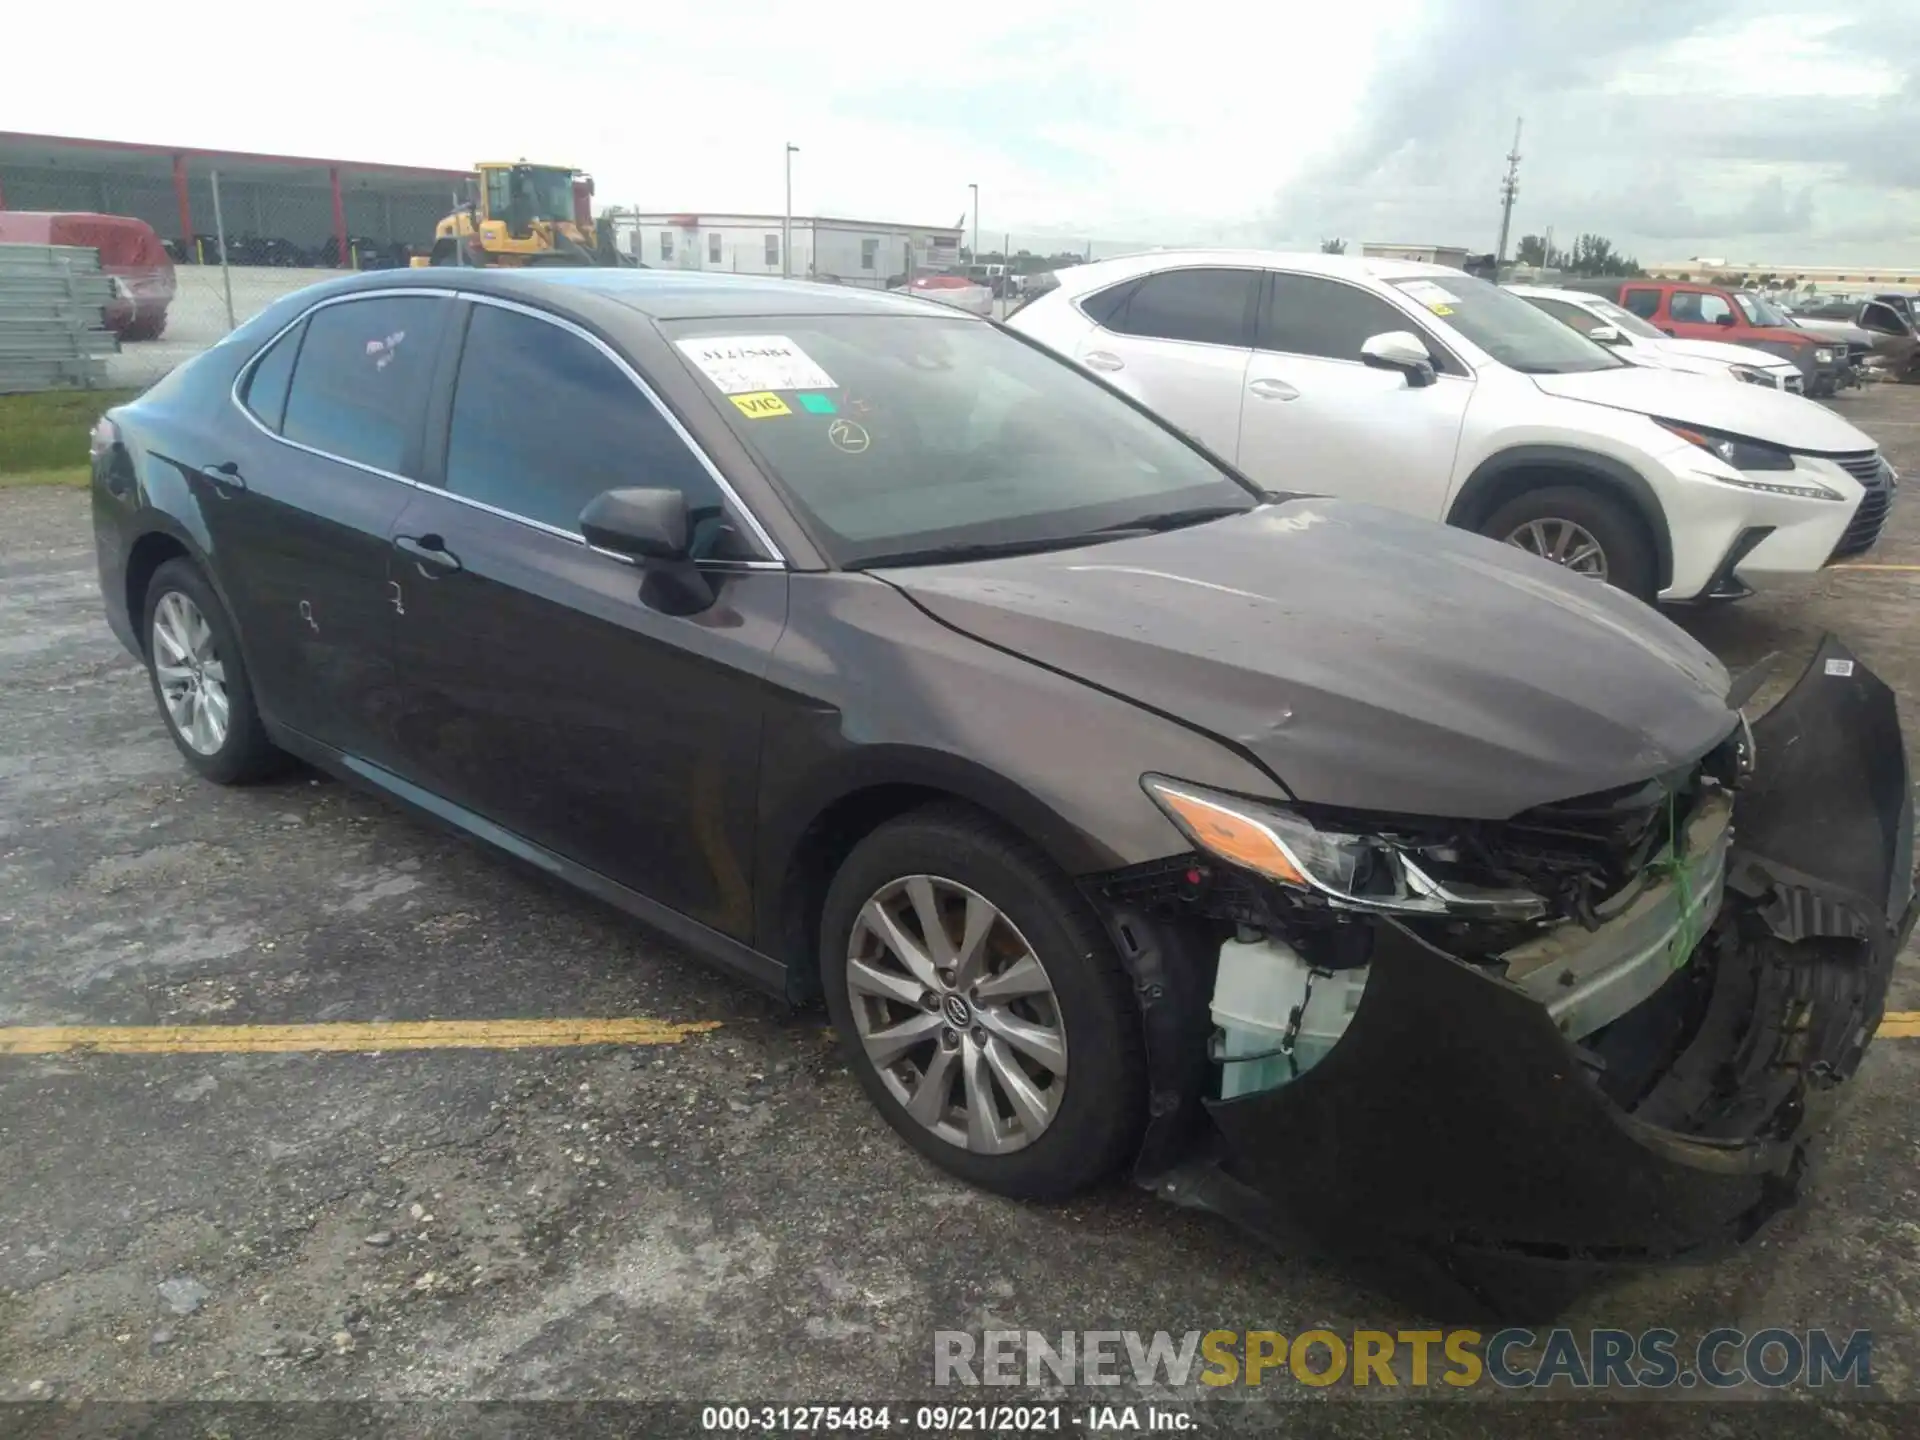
(1706, 312)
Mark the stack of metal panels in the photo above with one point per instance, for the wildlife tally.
(52, 330)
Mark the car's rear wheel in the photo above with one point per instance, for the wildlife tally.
(982, 1006)
(200, 681)
(1591, 534)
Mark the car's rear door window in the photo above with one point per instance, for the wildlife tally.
(361, 382)
(1204, 305)
(543, 422)
(266, 393)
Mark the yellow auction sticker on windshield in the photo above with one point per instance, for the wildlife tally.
(761, 405)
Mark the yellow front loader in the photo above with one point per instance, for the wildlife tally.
(520, 214)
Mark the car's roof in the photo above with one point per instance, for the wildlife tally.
(1094, 273)
(660, 294)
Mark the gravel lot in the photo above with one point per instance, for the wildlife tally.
(722, 1218)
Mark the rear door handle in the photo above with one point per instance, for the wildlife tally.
(430, 554)
(1273, 390)
(1102, 360)
(226, 477)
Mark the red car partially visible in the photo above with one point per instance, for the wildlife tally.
(129, 251)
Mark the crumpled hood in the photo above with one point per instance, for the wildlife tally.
(1367, 659)
(1753, 411)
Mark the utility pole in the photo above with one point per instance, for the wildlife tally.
(976, 222)
(786, 224)
(1509, 189)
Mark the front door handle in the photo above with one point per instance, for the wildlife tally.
(430, 554)
(1273, 390)
(1102, 360)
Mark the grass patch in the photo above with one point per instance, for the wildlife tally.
(71, 477)
(47, 432)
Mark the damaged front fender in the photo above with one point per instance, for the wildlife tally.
(1456, 1122)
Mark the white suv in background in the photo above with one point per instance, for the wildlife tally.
(1423, 389)
(1606, 323)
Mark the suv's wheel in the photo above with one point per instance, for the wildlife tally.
(982, 1006)
(1590, 533)
(200, 681)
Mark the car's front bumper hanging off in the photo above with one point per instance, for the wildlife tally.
(1454, 1122)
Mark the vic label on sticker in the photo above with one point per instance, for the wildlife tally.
(742, 364)
(760, 404)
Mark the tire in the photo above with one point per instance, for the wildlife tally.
(1626, 552)
(177, 594)
(1097, 1097)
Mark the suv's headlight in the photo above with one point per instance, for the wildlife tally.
(1348, 871)
(1823, 357)
(1753, 375)
(1748, 455)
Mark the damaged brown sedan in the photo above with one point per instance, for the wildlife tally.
(1322, 864)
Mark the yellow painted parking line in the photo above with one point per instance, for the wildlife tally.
(1871, 567)
(1900, 1025)
(383, 1035)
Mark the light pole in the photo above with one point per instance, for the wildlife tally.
(786, 225)
(976, 222)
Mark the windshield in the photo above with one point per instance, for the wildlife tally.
(1624, 319)
(547, 192)
(1507, 327)
(898, 435)
(1757, 310)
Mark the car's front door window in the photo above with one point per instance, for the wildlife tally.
(543, 422)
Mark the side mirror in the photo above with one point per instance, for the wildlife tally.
(639, 524)
(1400, 350)
(1727, 320)
(1606, 335)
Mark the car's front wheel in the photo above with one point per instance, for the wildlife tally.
(200, 681)
(1589, 533)
(982, 1006)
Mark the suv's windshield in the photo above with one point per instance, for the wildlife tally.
(1757, 310)
(1507, 327)
(905, 438)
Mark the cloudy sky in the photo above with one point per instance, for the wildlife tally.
(1770, 130)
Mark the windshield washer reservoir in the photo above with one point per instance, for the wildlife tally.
(1259, 987)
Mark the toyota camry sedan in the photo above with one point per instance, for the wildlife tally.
(1307, 860)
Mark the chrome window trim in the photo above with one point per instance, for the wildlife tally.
(727, 491)
(246, 373)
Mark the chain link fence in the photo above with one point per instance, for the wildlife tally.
(263, 240)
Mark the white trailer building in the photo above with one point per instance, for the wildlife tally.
(874, 253)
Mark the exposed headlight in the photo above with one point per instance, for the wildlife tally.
(1749, 455)
(1823, 357)
(1348, 871)
(1753, 375)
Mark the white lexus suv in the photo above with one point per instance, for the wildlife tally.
(1423, 389)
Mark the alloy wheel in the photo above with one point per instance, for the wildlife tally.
(957, 1014)
(191, 676)
(1564, 543)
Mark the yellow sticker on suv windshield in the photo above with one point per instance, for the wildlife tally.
(760, 405)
